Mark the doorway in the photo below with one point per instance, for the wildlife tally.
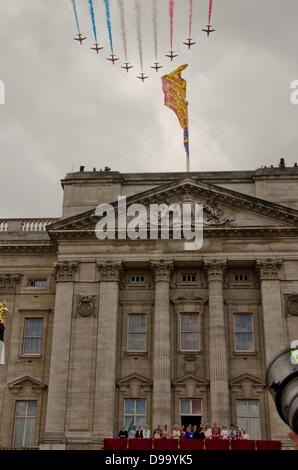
(191, 419)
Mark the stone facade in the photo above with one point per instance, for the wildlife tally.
(85, 290)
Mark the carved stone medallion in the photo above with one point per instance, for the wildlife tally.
(86, 305)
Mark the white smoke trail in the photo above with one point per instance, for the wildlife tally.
(139, 31)
(154, 19)
(123, 27)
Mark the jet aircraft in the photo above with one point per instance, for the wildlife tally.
(208, 30)
(171, 55)
(80, 38)
(156, 66)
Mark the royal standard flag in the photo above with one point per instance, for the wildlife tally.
(174, 88)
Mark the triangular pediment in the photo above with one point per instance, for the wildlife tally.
(246, 378)
(222, 208)
(26, 381)
(190, 379)
(132, 378)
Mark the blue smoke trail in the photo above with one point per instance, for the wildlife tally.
(93, 19)
(76, 14)
(107, 5)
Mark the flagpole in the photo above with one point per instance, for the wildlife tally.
(187, 154)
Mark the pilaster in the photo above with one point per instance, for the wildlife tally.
(162, 397)
(219, 388)
(104, 409)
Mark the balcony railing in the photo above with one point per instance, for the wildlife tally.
(25, 225)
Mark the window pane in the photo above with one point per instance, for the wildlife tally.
(136, 323)
(30, 431)
(253, 408)
(196, 407)
(185, 407)
(189, 323)
(31, 410)
(32, 346)
(241, 408)
(129, 407)
(18, 432)
(189, 341)
(33, 327)
(21, 408)
(140, 407)
(243, 342)
(246, 323)
(136, 342)
(254, 428)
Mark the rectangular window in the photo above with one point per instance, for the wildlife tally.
(242, 277)
(137, 279)
(24, 424)
(191, 407)
(134, 413)
(243, 332)
(32, 336)
(136, 333)
(37, 283)
(189, 278)
(189, 332)
(248, 417)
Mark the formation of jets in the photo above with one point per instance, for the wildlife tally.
(208, 30)
(156, 65)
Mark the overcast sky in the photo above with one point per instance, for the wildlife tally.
(66, 106)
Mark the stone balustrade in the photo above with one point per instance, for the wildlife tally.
(25, 225)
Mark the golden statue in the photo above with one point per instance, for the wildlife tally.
(3, 311)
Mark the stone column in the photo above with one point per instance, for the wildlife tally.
(105, 388)
(162, 397)
(54, 437)
(274, 339)
(219, 388)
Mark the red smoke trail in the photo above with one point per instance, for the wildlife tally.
(210, 11)
(171, 11)
(190, 18)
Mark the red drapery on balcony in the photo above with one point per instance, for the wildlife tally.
(189, 444)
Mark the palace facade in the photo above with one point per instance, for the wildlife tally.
(102, 333)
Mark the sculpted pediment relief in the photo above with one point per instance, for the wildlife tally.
(222, 208)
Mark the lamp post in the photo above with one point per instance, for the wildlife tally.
(3, 313)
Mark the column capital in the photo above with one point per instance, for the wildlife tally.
(64, 270)
(268, 269)
(215, 268)
(109, 270)
(162, 270)
(9, 281)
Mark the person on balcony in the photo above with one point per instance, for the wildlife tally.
(166, 432)
(146, 432)
(176, 432)
(123, 433)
